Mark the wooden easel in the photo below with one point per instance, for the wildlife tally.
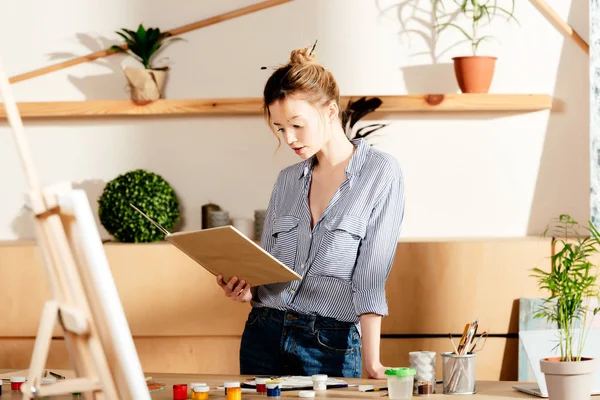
(84, 298)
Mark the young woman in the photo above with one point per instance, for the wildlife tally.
(334, 218)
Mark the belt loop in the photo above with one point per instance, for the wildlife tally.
(313, 319)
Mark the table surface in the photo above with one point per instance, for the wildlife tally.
(490, 390)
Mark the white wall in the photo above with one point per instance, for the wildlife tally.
(467, 174)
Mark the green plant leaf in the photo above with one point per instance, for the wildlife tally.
(508, 14)
(118, 49)
(127, 40)
(459, 28)
(478, 41)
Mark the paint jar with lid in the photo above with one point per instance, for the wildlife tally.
(319, 382)
(261, 385)
(200, 392)
(234, 393)
(306, 394)
(400, 382)
(273, 390)
(230, 385)
(191, 385)
(180, 391)
(16, 382)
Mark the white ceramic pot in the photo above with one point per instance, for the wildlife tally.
(568, 380)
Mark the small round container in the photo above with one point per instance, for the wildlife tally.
(16, 382)
(191, 385)
(261, 385)
(180, 391)
(234, 393)
(200, 392)
(273, 390)
(228, 385)
(306, 394)
(319, 382)
(400, 382)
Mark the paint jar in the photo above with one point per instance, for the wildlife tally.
(16, 382)
(228, 385)
(191, 385)
(273, 390)
(234, 393)
(200, 392)
(400, 382)
(306, 394)
(261, 385)
(319, 382)
(180, 391)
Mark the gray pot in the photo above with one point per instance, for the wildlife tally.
(568, 380)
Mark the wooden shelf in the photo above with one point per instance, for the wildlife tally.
(250, 106)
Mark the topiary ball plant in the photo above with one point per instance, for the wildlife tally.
(147, 191)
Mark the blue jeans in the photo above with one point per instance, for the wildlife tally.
(276, 343)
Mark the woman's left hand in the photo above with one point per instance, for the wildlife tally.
(376, 371)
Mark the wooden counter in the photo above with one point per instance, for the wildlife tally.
(182, 323)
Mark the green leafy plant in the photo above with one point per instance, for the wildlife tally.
(147, 191)
(572, 283)
(477, 13)
(143, 44)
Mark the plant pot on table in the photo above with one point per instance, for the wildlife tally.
(568, 380)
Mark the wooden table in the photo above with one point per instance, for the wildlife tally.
(490, 390)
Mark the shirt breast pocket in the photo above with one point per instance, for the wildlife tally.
(285, 233)
(338, 249)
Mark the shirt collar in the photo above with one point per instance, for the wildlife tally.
(357, 159)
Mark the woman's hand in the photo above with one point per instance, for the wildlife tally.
(376, 371)
(240, 292)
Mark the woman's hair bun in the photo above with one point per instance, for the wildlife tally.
(302, 56)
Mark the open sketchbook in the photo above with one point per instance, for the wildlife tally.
(228, 252)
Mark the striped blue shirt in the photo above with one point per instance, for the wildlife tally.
(346, 258)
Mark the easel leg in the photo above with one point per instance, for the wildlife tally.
(42, 344)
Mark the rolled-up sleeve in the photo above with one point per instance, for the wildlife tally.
(378, 248)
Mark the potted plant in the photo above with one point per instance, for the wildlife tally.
(149, 192)
(146, 83)
(573, 285)
(474, 72)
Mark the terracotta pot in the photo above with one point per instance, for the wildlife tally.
(474, 73)
(146, 84)
(568, 380)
